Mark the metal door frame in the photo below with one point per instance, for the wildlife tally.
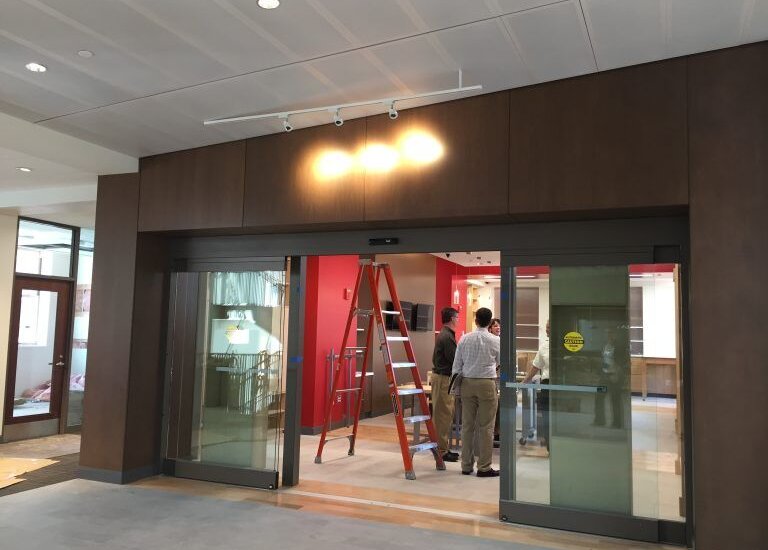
(614, 525)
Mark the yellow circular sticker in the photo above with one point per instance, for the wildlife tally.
(573, 341)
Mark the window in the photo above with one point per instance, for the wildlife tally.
(44, 249)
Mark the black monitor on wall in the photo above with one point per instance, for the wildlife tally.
(423, 317)
(390, 321)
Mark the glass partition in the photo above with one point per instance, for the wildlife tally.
(599, 416)
(227, 403)
(44, 249)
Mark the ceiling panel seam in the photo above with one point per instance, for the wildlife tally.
(589, 36)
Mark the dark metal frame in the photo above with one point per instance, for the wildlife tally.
(587, 243)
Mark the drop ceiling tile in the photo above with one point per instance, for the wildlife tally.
(625, 32)
(355, 76)
(553, 41)
(514, 6)
(370, 21)
(756, 23)
(701, 25)
(32, 100)
(134, 33)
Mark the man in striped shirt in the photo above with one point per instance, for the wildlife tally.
(477, 356)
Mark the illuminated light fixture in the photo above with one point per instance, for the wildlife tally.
(392, 111)
(268, 4)
(388, 103)
(420, 148)
(24, 169)
(337, 120)
(525, 276)
(379, 158)
(85, 54)
(286, 123)
(333, 164)
(36, 67)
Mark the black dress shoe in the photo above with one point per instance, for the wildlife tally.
(450, 457)
(488, 473)
(467, 473)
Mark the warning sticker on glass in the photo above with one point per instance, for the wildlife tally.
(573, 341)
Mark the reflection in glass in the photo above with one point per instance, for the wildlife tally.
(43, 249)
(80, 328)
(34, 361)
(239, 386)
(619, 449)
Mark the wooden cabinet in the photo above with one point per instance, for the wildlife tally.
(194, 189)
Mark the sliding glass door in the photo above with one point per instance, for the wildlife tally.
(585, 447)
(227, 385)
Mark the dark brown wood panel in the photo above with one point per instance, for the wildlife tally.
(147, 367)
(285, 182)
(194, 189)
(607, 141)
(470, 180)
(109, 337)
(729, 256)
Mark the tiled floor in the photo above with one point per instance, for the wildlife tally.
(37, 462)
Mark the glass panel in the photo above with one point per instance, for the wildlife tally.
(80, 328)
(43, 249)
(239, 383)
(34, 370)
(607, 436)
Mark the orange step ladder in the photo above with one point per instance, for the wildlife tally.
(371, 271)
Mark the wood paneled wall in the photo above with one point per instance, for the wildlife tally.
(729, 301)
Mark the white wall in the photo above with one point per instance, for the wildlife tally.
(659, 333)
(7, 257)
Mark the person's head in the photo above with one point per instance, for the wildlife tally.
(483, 317)
(547, 328)
(495, 326)
(450, 317)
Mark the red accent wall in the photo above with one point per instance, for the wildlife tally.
(325, 318)
(451, 277)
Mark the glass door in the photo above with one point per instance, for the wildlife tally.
(588, 446)
(227, 388)
(36, 358)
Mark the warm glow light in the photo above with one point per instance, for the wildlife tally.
(419, 147)
(333, 164)
(379, 158)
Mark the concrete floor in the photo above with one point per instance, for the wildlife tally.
(87, 515)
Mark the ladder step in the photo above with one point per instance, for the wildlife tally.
(347, 390)
(409, 391)
(422, 446)
(414, 419)
(390, 312)
(360, 329)
(358, 374)
(397, 338)
(403, 365)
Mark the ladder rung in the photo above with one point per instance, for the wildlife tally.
(360, 329)
(358, 374)
(327, 439)
(402, 365)
(347, 390)
(390, 312)
(359, 348)
(422, 446)
(409, 391)
(414, 419)
(397, 338)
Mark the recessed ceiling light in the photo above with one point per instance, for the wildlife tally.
(24, 169)
(85, 53)
(269, 4)
(36, 67)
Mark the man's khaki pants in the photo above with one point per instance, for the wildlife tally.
(442, 410)
(478, 411)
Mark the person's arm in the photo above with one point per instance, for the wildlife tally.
(449, 349)
(458, 362)
(535, 368)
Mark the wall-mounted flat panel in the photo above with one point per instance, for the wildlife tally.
(193, 189)
(612, 140)
(729, 201)
(442, 161)
(306, 176)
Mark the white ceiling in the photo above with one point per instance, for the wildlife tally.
(162, 66)
(472, 259)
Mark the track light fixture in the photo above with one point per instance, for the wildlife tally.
(286, 123)
(392, 111)
(337, 120)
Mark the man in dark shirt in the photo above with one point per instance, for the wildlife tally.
(442, 401)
